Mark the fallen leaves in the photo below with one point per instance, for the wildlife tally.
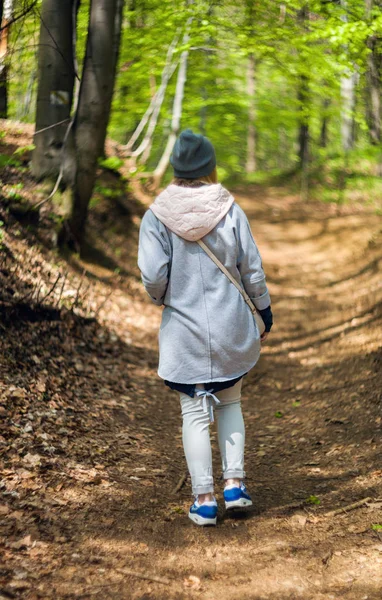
(192, 582)
(33, 460)
(25, 542)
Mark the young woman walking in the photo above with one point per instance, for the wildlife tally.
(208, 337)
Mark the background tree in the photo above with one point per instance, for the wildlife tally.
(94, 103)
(56, 75)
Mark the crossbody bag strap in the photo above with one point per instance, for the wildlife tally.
(242, 291)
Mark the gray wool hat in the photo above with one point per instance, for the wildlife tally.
(193, 155)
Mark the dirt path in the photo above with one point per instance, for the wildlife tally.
(105, 515)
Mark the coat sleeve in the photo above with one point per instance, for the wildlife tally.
(249, 264)
(154, 254)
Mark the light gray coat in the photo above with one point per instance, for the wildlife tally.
(207, 332)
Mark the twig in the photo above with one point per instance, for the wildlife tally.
(103, 304)
(51, 289)
(180, 483)
(144, 576)
(19, 16)
(51, 126)
(76, 301)
(62, 289)
(344, 509)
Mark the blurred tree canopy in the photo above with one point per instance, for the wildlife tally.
(290, 83)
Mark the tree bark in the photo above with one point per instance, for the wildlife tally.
(176, 113)
(303, 96)
(373, 79)
(116, 47)
(56, 75)
(324, 125)
(250, 166)
(348, 84)
(93, 108)
(6, 14)
(303, 132)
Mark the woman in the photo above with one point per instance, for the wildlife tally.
(208, 338)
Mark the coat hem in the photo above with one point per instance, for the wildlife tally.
(214, 379)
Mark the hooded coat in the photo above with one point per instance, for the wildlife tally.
(207, 331)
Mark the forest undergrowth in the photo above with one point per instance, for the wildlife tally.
(93, 498)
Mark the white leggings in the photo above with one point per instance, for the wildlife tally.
(196, 414)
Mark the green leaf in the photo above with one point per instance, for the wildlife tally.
(313, 500)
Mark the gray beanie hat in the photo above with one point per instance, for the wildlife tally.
(193, 156)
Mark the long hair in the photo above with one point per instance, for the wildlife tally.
(195, 183)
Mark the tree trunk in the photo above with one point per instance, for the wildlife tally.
(348, 83)
(144, 147)
(26, 106)
(176, 113)
(324, 124)
(116, 47)
(250, 166)
(56, 76)
(93, 107)
(303, 96)
(303, 132)
(6, 14)
(373, 78)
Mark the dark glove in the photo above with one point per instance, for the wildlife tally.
(266, 315)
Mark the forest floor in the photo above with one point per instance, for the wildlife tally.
(90, 444)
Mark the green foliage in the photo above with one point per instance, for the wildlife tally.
(376, 527)
(8, 161)
(331, 41)
(278, 414)
(24, 149)
(12, 191)
(313, 500)
(113, 163)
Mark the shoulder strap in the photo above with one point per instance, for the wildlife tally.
(242, 291)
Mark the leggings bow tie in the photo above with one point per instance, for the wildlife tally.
(207, 401)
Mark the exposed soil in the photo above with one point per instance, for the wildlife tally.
(91, 438)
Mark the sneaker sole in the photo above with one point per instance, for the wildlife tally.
(240, 503)
(201, 520)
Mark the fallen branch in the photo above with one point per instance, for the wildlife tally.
(345, 509)
(180, 483)
(144, 576)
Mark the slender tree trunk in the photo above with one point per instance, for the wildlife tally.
(348, 84)
(373, 78)
(56, 75)
(176, 114)
(303, 132)
(155, 104)
(93, 107)
(250, 166)
(26, 107)
(324, 124)
(6, 14)
(304, 100)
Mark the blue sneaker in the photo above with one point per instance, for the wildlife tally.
(236, 497)
(204, 514)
